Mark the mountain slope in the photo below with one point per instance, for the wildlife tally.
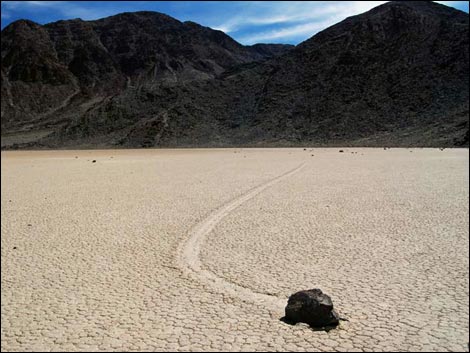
(399, 69)
(53, 73)
(395, 75)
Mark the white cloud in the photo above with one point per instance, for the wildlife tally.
(295, 11)
(296, 19)
(307, 29)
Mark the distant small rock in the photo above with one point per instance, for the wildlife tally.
(93, 161)
(14, 248)
(341, 151)
(30, 225)
(312, 307)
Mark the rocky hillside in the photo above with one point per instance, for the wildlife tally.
(396, 75)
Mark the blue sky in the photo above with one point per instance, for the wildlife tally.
(248, 22)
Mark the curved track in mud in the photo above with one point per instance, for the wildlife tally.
(189, 259)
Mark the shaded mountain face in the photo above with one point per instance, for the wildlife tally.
(396, 75)
(33, 79)
(145, 47)
(49, 69)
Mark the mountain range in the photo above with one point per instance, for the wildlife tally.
(397, 75)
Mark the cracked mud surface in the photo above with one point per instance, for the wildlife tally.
(100, 260)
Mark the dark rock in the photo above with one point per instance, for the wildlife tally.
(14, 247)
(312, 307)
(271, 50)
(341, 151)
(93, 161)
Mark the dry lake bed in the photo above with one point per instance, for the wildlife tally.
(198, 249)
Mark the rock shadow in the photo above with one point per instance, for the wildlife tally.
(313, 328)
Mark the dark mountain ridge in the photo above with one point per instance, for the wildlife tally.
(395, 75)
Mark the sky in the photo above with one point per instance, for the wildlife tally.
(248, 22)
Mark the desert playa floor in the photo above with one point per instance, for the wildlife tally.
(199, 249)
